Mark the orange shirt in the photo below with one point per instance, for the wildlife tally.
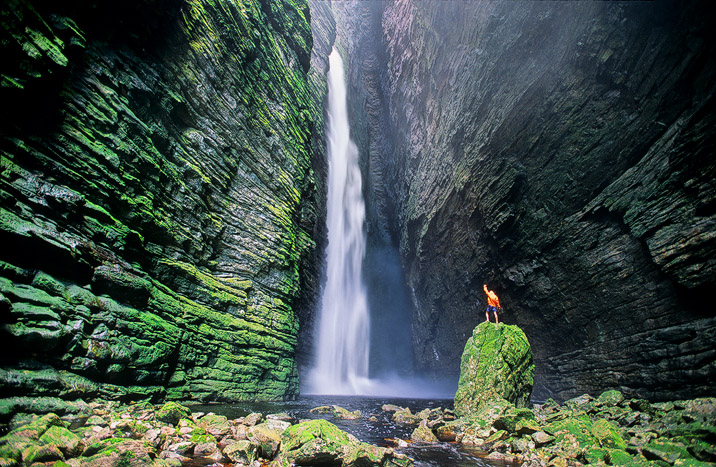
(492, 299)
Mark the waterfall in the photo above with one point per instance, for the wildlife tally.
(342, 349)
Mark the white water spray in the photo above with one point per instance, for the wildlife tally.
(342, 350)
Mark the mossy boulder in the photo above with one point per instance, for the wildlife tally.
(607, 435)
(666, 451)
(216, 425)
(423, 434)
(609, 398)
(41, 453)
(496, 364)
(119, 452)
(337, 411)
(172, 412)
(67, 442)
(266, 438)
(242, 451)
(405, 417)
(319, 442)
(513, 418)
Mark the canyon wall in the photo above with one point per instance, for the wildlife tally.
(157, 198)
(561, 153)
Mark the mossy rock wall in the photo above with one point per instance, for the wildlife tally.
(157, 197)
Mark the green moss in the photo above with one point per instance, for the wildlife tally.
(172, 412)
(610, 398)
(145, 173)
(607, 435)
(666, 451)
(496, 365)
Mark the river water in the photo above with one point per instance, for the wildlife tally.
(384, 432)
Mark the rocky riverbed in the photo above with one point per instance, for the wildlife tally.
(605, 430)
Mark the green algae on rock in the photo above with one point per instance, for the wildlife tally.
(142, 434)
(496, 365)
(319, 442)
(608, 430)
(157, 199)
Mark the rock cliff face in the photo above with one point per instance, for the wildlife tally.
(562, 154)
(157, 197)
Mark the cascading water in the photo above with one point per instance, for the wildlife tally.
(342, 351)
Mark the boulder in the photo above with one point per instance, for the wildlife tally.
(423, 434)
(607, 434)
(513, 417)
(216, 425)
(319, 442)
(243, 452)
(609, 398)
(266, 438)
(391, 408)
(119, 452)
(207, 449)
(171, 413)
(541, 438)
(337, 411)
(283, 416)
(69, 443)
(665, 451)
(447, 432)
(496, 364)
(41, 453)
(96, 420)
(253, 419)
(345, 414)
(406, 417)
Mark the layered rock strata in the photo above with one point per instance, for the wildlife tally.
(561, 154)
(157, 198)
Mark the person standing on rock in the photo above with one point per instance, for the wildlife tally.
(493, 304)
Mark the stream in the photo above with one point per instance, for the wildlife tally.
(380, 433)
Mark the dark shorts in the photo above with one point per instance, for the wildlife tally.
(491, 309)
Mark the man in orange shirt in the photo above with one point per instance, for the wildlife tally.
(493, 304)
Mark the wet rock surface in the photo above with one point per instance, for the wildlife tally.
(157, 199)
(129, 435)
(605, 430)
(561, 154)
